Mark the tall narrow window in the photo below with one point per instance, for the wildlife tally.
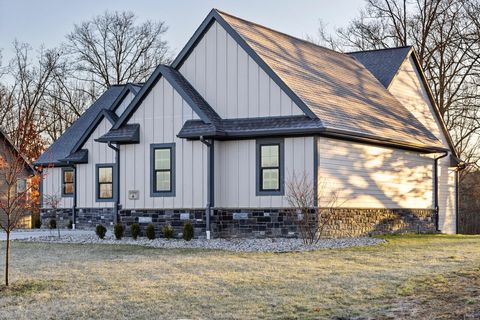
(163, 169)
(270, 167)
(68, 182)
(105, 181)
(21, 185)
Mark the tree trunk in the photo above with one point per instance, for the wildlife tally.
(7, 256)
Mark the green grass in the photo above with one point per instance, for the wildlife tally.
(427, 277)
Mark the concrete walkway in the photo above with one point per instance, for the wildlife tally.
(25, 234)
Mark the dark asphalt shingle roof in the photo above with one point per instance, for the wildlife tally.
(383, 63)
(128, 133)
(62, 147)
(336, 87)
(80, 156)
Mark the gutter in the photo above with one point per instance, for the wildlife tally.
(116, 205)
(210, 182)
(435, 181)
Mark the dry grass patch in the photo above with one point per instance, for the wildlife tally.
(404, 277)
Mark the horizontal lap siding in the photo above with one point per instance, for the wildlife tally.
(98, 153)
(161, 116)
(235, 172)
(232, 82)
(52, 186)
(408, 88)
(366, 176)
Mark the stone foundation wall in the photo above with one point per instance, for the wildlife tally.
(254, 223)
(160, 218)
(87, 218)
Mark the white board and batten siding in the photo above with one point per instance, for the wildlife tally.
(408, 88)
(124, 104)
(235, 172)
(368, 176)
(161, 116)
(231, 81)
(52, 186)
(98, 153)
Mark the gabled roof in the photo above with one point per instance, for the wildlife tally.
(12, 146)
(181, 85)
(329, 86)
(383, 63)
(72, 139)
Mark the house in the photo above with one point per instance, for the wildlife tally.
(214, 138)
(14, 167)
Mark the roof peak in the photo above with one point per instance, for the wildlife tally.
(380, 49)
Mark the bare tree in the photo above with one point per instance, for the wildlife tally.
(53, 201)
(16, 201)
(311, 218)
(113, 49)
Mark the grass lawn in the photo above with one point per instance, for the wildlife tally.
(421, 277)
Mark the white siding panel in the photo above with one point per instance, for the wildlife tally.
(366, 176)
(126, 101)
(97, 153)
(161, 116)
(52, 186)
(235, 161)
(232, 82)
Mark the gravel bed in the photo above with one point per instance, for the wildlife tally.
(235, 245)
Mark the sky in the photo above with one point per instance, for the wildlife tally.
(46, 22)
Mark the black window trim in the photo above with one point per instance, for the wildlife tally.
(97, 182)
(153, 191)
(64, 194)
(281, 167)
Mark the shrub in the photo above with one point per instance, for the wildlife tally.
(100, 231)
(188, 232)
(118, 231)
(70, 224)
(150, 231)
(52, 224)
(135, 230)
(168, 231)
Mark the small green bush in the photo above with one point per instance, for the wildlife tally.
(168, 231)
(135, 230)
(100, 231)
(52, 224)
(188, 232)
(118, 231)
(70, 224)
(150, 231)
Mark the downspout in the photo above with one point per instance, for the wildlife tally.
(210, 182)
(435, 179)
(457, 198)
(116, 204)
(74, 208)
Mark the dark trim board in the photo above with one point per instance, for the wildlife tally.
(205, 26)
(154, 193)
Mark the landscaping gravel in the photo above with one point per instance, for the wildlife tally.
(235, 245)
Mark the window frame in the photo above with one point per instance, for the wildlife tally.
(153, 191)
(98, 166)
(65, 194)
(281, 167)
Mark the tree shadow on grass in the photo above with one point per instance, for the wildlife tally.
(30, 287)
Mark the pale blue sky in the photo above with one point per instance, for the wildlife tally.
(47, 21)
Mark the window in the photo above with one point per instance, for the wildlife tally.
(105, 182)
(162, 170)
(21, 185)
(270, 167)
(68, 182)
